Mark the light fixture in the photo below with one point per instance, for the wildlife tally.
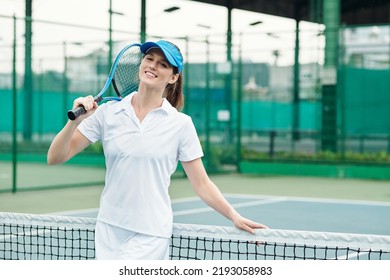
(171, 9)
(255, 23)
(116, 13)
(203, 26)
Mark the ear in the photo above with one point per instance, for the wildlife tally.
(173, 79)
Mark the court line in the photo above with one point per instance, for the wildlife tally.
(259, 200)
(263, 201)
(235, 205)
(311, 199)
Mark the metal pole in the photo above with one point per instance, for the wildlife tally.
(40, 111)
(239, 104)
(207, 99)
(143, 21)
(109, 61)
(14, 113)
(329, 141)
(341, 94)
(65, 85)
(28, 81)
(295, 108)
(228, 78)
(186, 79)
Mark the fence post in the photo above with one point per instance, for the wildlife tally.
(187, 80)
(65, 87)
(239, 106)
(14, 110)
(207, 107)
(28, 74)
(329, 81)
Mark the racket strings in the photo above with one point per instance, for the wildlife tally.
(126, 77)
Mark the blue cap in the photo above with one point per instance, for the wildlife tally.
(170, 51)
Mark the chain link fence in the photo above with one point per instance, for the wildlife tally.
(259, 99)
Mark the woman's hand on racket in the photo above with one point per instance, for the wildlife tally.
(88, 103)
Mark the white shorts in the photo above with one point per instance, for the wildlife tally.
(114, 243)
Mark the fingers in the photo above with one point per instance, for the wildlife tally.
(249, 226)
(258, 225)
(87, 102)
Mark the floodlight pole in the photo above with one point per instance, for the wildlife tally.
(296, 89)
(331, 20)
(228, 78)
(110, 42)
(143, 21)
(65, 84)
(239, 106)
(28, 81)
(207, 99)
(14, 111)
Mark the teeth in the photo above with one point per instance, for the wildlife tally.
(150, 74)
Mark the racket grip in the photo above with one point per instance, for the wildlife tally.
(80, 110)
(76, 112)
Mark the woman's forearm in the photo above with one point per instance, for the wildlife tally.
(213, 197)
(61, 148)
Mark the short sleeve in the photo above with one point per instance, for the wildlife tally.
(190, 147)
(91, 127)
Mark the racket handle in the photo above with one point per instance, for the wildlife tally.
(80, 110)
(76, 112)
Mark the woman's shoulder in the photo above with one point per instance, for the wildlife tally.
(110, 105)
(182, 116)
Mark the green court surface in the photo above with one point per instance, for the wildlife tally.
(40, 175)
(65, 199)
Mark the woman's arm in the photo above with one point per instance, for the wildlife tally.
(210, 194)
(69, 141)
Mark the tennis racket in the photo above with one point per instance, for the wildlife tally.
(123, 76)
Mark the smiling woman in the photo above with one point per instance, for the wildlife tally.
(144, 136)
(168, 56)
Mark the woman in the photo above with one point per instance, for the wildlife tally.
(143, 136)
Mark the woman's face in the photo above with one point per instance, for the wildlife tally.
(156, 70)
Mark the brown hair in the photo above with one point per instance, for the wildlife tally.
(174, 92)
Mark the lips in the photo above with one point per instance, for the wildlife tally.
(150, 74)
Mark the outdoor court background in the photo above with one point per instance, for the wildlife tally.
(293, 203)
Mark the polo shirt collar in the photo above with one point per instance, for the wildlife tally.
(123, 105)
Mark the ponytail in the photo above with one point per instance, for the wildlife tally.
(174, 92)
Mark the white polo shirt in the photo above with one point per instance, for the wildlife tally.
(140, 159)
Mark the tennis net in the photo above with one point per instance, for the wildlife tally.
(31, 237)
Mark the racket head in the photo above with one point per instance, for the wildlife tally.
(125, 78)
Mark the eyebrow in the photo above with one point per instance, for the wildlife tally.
(161, 56)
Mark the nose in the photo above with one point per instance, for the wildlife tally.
(152, 65)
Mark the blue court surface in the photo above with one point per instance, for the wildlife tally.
(291, 213)
(302, 229)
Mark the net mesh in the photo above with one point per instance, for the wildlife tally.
(41, 237)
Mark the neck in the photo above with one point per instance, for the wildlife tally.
(145, 101)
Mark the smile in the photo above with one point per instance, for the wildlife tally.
(150, 74)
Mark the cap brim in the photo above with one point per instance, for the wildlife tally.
(149, 45)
